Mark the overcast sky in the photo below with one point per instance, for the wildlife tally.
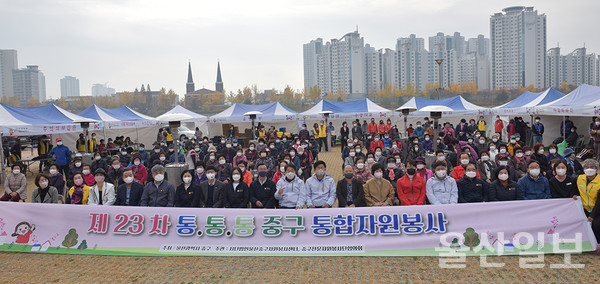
(126, 43)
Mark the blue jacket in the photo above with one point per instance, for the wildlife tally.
(419, 132)
(145, 157)
(427, 145)
(63, 155)
(534, 189)
(180, 158)
(387, 142)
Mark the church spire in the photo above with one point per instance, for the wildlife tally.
(219, 83)
(189, 86)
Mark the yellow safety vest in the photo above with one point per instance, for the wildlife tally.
(588, 192)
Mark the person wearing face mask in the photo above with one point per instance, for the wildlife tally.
(228, 152)
(378, 190)
(392, 171)
(553, 153)
(305, 163)
(372, 127)
(280, 171)
(361, 172)
(155, 153)
(534, 185)
(186, 191)
(427, 144)
(498, 126)
(115, 173)
(512, 144)
(379, 156)
(589, 186)
(537, 130)
(595, 135)
(262, 189)
(574, 167)
(101, 193)
(561, 184)
(200, 174)
(344, 135)
(143, 154)
(511, 128)
(376, 143)
(419, 131)
(57, 180)
(79, 192)
(44, 193)
(349, 190)
(223, 169)
(519, 162)
(472, 189)
(251, 153)
(422, 169)
(15, 185)
(76, 167)
(414, 151)
(441, 188)
(261, 145)
(44, 147)
(129, 193)
(124, 158)
(502, 149)
(294, 159)
(347, 148)
(91, 145)
(357, 132)
(80, 143)
(538, 155)
(191, 159)
(440, 156)
(160, 192)
(140, 173)
(411, 188)
(264, 158)
(503, 188)
(304, 134)
(88, 176)
(211, 190)
(173, 152)
(486, 167)
(349, 161)
(99, 163)
(291, 190)
(459, 171)
(320, 188)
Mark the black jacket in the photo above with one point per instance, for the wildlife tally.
(358, 193)
(264, 193)
(500, 193)
(398, 173)
(472, 190)
(565, 189)
(185, 198)
(202, 195)
(135, 194)
(237, 198)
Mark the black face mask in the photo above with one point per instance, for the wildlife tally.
(411, 171)
(349, 176)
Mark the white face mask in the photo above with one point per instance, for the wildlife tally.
(394, 146)
(235, 177)
(352, 154)
(502, 151)
(78, 165)
(527, 153)
(187, 180)
(99, 178)
(360, 165)
(85, 172)
(541, 152)
(128, 179)
(59, 143)
(513, 141)
(471, 174)
(350, 144)
(357, 151)
(495, 139)
(123, 153)
(503, 177)
(299, 153)
(53, 171)
(116, 167)
(97, 158)
(481, 142)
(552, 151)
(370, 160)
(519, 155)
(221, 162)
(398, 161)
(485, 158)
(239, 154)
(561, 172)
(212, 157)
(440, 173)
(251, 148)
(420, 166)
(159, 177)
(534, 172)
(378, 154)
(441, 158)
(16, 171)
(426, 138)
(137, 163)
(464, 161)
(162, 158)
(391, 165)
(210, 176)
(43, 184)
(290, 175)
(503, 163)
(156, 150)
(492, 148)
(590, 172)
(282, 169)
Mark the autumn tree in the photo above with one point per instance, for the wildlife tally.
(33, 102)
(314, 93)
(126, 98)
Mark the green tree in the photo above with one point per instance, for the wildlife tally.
(471, 238)
(83, 245)
(70, 239)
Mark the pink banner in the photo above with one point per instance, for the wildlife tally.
(540, 226)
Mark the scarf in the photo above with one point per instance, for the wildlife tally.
(77, 196)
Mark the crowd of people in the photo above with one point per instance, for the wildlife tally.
(279, 170)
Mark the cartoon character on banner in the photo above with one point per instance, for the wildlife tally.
(23, 232)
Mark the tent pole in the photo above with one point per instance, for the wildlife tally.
(137, 136)
(564, 129)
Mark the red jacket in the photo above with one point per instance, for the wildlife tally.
(459, 172)
(372, 127)
(140, 174)
(411, 193)
(375, 144)
(388, 127)
(499, 125)
(381, 129)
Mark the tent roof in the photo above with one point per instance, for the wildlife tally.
(122, 113)
(43, 115)
(346, 109)
(458, 104)
(179, 109)
(270, 112)
(529, 99)
(582, 101)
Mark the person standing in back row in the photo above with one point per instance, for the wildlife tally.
(538, 131)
